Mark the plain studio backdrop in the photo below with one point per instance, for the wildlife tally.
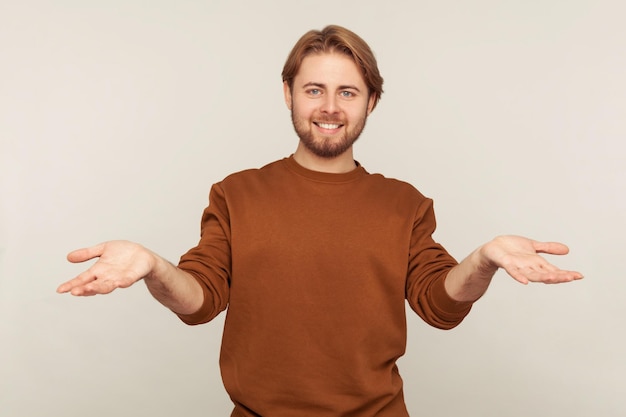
(117, 116)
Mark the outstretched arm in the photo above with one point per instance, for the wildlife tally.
(120, 264)
(517, 255)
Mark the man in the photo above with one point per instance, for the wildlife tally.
(314, 257)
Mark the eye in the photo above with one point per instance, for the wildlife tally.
(314, 91)
(346, 94)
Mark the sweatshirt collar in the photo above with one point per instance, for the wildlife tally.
(328, 177)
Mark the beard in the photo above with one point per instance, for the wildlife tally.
(327, 146)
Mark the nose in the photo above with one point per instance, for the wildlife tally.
(330, 104)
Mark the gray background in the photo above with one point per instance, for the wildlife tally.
(117, 116)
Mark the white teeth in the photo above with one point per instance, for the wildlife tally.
(328, 126)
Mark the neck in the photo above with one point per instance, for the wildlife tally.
(337, 165)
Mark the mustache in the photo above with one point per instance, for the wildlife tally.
(330, 120)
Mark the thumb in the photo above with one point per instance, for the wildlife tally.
(553, 248)
(85, 254)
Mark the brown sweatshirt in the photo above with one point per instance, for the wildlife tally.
(315, 269)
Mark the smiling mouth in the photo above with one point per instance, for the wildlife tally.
(329, 126)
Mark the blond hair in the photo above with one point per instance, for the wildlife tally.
(335, 38)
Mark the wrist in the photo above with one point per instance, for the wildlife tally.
(159, 267)
(483, 259)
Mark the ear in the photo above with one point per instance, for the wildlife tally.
(287, 93)
(371, 103)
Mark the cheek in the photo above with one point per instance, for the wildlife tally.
(302, 109)
(357, 114)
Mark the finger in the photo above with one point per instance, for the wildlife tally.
(94, 288)
(518, 274)
(553, 248)
(79, 281)
(63, 288)
(554, 276)
(69, 286)
(541, 272)
(85, 254)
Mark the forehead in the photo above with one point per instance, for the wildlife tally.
(329, 68)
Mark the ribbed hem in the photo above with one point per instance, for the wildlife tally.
(447, 305)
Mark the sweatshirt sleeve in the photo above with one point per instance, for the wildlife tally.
(210, 261)
(429, 264)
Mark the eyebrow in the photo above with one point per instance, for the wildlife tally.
(321, 85)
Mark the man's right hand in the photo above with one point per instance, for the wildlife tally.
(120, 265)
